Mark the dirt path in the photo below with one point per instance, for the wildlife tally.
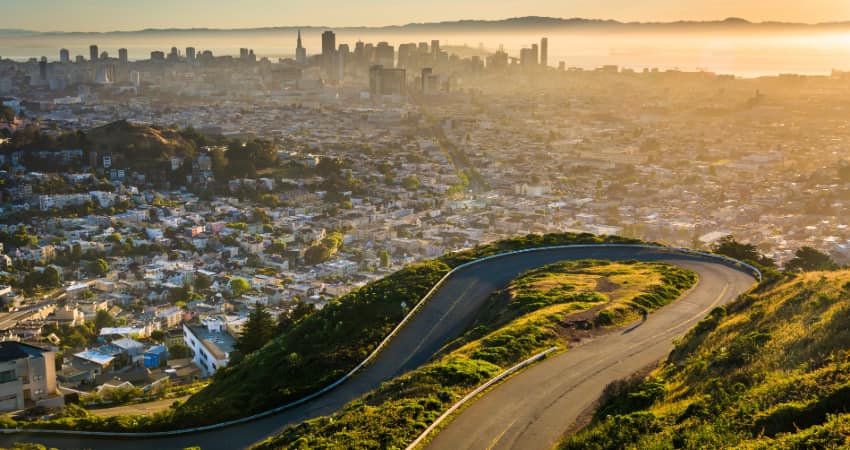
(138, 408)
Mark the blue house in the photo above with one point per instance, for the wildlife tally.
(155, 356)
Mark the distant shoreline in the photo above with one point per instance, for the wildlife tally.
(530, 23)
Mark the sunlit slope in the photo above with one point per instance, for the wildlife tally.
(771, 371)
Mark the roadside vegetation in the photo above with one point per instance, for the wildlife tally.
(771, 370)
(533, 313)
(312, 350)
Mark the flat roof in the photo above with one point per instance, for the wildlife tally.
(218, 344)
(95, 357)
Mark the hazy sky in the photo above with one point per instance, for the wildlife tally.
(105, 15)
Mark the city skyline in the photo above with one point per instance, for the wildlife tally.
(55, 15)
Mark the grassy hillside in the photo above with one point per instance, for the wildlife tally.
(138, 145)
(538, 310)
(771, 371)
(311, 354)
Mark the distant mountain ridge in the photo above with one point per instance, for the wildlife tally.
(514, 23)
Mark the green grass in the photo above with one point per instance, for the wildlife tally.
(770, 371)
(313, 353)
(524, 319)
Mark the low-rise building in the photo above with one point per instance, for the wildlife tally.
(27, 377)
(210, 343)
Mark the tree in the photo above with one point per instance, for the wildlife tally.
(103, 319)
(51, 278)
(411, 182)
(202, 282)
(728, 246)
(257, 331)
(99, 267)
(158, 335)
(808, 259)
(384, 256)
(277, 248)
(238, 286)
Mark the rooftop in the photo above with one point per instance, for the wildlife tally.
(219, 344)
(12, 350)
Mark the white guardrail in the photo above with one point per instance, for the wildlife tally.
(673, 250)
(477, 391)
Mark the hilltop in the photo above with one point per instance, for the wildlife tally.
(770, 371)
(140, 145)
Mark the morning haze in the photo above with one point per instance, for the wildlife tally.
(392, 227)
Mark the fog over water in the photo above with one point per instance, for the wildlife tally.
(764, 53)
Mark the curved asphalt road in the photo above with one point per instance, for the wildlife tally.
(443, 318)
(535, 408)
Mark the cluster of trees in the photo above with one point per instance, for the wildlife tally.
(20, 238)
(748, 253)
(99, 267)
(48, 278)
(323, 251)
(243, 159)
(31, 137)
(806, 259)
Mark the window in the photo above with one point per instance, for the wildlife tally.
(7, 376)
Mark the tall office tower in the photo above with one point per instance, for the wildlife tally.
(328, 42)
(343, 56)
(157, 55)
(360, 54)
(394, 82)
(536, 50)
(104, 56)
(406, 55)
(122, 56)
(174, 55)
(243, 54)
(42, 68)
(426, 72)
(328, 51)
(385, 54)
(93, 53)
(376, 74)
(528, 57)
(79, 59)
(423, 48)
(435, 48)
(300, 51)
(369, 53)
(190, 54)
(64, 56)
(544, 52)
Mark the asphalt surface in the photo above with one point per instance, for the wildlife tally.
(443, 318)
(534, 409)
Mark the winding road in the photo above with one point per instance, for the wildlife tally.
(533, 414)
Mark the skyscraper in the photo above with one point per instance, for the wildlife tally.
(329, 53)
(300, 51)
(544, 52)
(42, 69)
(435, 48)
(122, 55)
(385, 55)
(328, 42)
(64, 56)
(190, 54)
(93, 53)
